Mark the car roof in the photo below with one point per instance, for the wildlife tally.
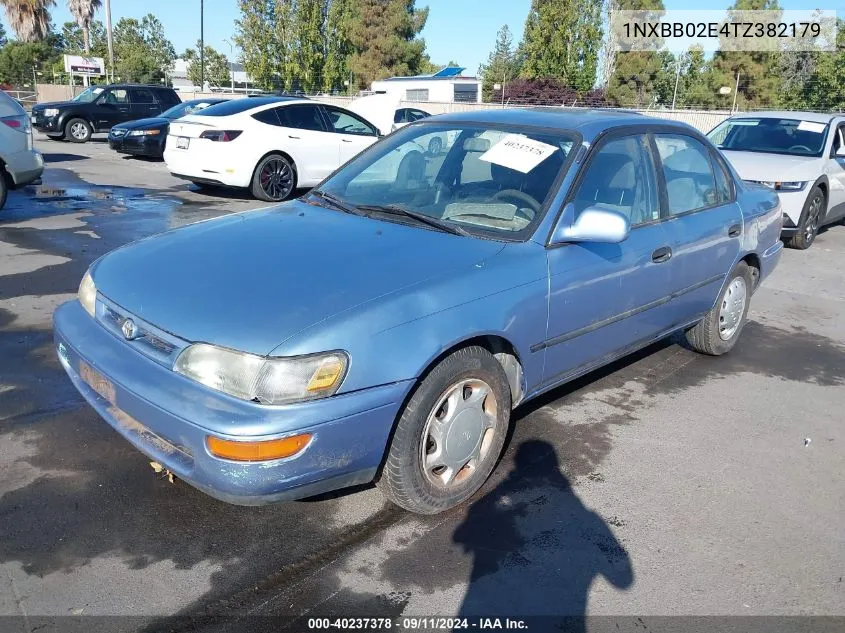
(816, 117)
(262, 101)
(589, 122)
(156, 87)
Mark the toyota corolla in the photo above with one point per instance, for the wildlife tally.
(385, 325)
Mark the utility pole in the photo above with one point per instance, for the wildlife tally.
(231, 64)
(202, 47)
(110, 40)
(677, 77)
(504, 81)
(736, 89)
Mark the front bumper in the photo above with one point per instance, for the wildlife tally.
(792, 203)
(49, 125)
(25, 167)
(168, 418)
(137, 145)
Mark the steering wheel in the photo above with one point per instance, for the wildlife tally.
(516, 194)
(804, 147)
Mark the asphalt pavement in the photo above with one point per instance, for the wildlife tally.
(668, 484)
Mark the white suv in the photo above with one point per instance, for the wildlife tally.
(801, 155)
(20, 163)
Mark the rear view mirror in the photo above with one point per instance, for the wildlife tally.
(593, 224)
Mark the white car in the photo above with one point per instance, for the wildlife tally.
(272, 145)
(799, 154)
(20, 163)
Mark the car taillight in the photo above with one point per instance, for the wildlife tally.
(223, 136)
(20, 123)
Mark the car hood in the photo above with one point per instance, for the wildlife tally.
(153, 122)
(55, 104)
(378, 109)
(249, 281)
(775, 167)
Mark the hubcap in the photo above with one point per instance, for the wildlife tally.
(78, 130)
(459, 432)
(733, 307)
(275, 178)
(813, 217)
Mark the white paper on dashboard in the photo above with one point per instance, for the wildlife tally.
(811, 126)
(518, 152)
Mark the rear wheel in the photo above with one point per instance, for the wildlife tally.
(274, 179)
(78, 131)
(811, 218)
(449, 435)
(4, 188)
(719, 330)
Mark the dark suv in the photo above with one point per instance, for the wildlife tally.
(99, 108)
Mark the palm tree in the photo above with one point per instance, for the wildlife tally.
(83, 12)
(29, 19)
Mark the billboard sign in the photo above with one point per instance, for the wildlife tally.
(79, 65)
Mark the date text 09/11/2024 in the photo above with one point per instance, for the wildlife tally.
(417, 624)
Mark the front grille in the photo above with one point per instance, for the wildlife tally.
(149, 340)
(118, 133)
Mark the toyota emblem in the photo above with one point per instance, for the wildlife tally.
(129, 329)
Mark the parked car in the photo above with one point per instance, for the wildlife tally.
(99, 108)
(20, 163)
(404, 116)
(801, 155)
(385, 329)
(270, 145)
(146, 137)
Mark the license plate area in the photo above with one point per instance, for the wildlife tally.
(182, 142)
(99, 383)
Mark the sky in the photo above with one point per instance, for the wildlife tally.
(463, 30)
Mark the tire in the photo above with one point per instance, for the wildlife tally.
(420, 474)
(718, 331)
(78, 131)
(274, 179)
(812, 216)
(4, 187)
(435, 146)
(56, 137)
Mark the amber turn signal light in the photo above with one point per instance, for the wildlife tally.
(257, 451)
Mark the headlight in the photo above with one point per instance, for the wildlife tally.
(48, 112)
(781, 186)
(144, 132)
(88, 293)
(262, 379)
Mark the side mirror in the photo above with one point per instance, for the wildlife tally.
(593, 224)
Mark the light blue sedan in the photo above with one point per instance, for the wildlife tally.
(384, 326)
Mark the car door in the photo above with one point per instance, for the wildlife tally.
(112, 107)
(143, 103)
(305, 136)
(606, 299)
(835, 170)
(705, 220)
(354, 133)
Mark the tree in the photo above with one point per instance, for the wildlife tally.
(83, 12)
(501, 66)
(562, 39)
(142, 52)
(18, 60)
(73, 39)
(217, 67)
(338, 47)
(29, 19)
(383, 35)
(636, 72)
(310, 56)
(3, 39)
(285, 45)
(255, 37)
(549, 91)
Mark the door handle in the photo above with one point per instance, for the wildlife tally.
(662, 254)
(291, 136)
(735, 230)
(345, 140)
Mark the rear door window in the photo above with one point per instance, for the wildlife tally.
(142, 96)
(302, 117)
(270, 117)
(690, 181)
(344, 122)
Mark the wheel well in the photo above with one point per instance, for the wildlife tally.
(284, 155)
(503, 351)
(753, 262)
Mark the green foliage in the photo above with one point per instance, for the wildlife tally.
(639, 77)
(18, 60)
(217, 67)
(310, 55)
(3, 39)
(29, 19)
(814, 80)
(142, 52)
(338, 46)
(562, 40)
(502, 64)
(73, 39)
(255, 37)
(383, 35)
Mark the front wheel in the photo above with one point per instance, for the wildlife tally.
(78, 131)
(4, 188)
(449, 435)
(719, 330)
(274, 179)
(811, 218)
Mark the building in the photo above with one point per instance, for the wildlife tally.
(445, 86)
(239, 79)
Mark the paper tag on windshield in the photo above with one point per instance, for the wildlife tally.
(518, 152)
(810, 126)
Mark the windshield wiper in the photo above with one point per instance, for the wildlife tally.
(422, 218)
(336, 202)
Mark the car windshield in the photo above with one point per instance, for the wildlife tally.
(88, 95)
(794, 137)
(185, 108)
(464, 178)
